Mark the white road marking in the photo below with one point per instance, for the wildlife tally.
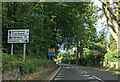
(93, 76)
(84, 71)
(98, 78)
(55, 74)
(90, 78)
(59, 76)
(85, 75)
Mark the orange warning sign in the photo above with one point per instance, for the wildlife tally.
(95, 52)
(51, 50)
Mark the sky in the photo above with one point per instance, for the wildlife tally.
(99, 25)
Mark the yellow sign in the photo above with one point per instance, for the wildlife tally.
(95, 52)
(51, 50)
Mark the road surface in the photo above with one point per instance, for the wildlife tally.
(84, 74)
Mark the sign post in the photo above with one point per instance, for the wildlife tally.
(95, 53)
(51, 52)
(24, 51)
(18, 36)
(11, 49)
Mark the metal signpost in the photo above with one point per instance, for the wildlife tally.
(11, 48)
(95, 53)
(18, 36)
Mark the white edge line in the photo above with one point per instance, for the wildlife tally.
(98, 78)
(55, 74)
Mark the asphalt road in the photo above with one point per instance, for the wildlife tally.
(84, 74)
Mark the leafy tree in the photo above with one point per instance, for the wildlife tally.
(112, 45)
(112, 15)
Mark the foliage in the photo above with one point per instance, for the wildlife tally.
(112, 56)
(67, 58)
(112, 44)
(89, 59)
(52, 25)
(29, 66)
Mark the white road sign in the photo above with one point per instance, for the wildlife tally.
(18, 36)
(18, 32)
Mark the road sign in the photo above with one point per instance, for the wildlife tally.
(18, 36)
(51, 51)
(95, 52)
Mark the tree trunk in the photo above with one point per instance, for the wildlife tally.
(118, 43)
(77, 62)
(113, 20)
(77, 49)
(81, 48)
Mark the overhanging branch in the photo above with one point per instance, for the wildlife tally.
(110, 25)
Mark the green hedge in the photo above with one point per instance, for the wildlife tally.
(26, 67)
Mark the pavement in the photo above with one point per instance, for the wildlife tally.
(84, 74)
(47, 73)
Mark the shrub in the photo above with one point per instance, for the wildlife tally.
(118, 69)
(26, 67)
(29, 66)
(112, 56)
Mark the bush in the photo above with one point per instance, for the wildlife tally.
(112, 56)
(30, 65)
(26, 67)
(112, 68)
(118, 69)
(88, 59)
(9, 62)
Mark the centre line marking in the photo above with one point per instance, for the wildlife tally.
(84, 71)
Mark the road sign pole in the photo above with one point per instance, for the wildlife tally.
(24, 51)
(11, 48)
(95, 60)
(49, 57)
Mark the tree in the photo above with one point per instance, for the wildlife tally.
(86, 32)
(112, 45)
(112, 15)
(51, 25)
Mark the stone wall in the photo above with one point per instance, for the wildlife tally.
(11, 74)
(15, 73)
